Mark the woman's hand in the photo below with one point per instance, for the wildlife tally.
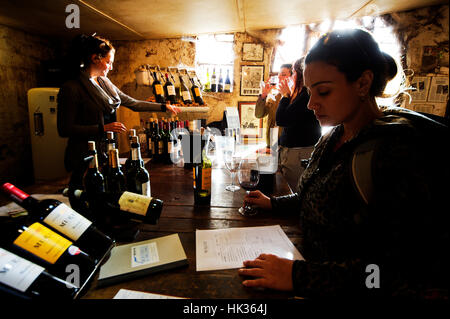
(115, 127)
(270, 271)
(284, 88)
(174, 109)
(266, 89)
(258, 199)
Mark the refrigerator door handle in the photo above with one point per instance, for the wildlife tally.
(38, 123)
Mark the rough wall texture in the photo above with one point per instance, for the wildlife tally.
(20, 58)
(422, 27)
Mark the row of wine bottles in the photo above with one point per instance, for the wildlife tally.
(42, 250)
(160, 139)
(115, 192)
(214, 84)
(173, 87)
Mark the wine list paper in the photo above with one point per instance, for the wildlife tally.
(229, 248)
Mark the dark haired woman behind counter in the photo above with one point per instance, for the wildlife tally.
(88, 103)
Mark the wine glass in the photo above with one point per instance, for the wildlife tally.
(231, 159)
(248, 175)
(232, 164)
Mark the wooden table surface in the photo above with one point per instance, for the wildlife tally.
(173, 185)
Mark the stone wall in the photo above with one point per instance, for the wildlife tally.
(21, 55)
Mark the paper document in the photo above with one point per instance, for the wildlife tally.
(132, 294)
(229, 248)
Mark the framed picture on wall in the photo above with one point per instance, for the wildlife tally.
(250, 125)
(251, 76)
(252, 52)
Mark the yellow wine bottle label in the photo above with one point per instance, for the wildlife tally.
(160, 147)
(197, 91)
(206, 179)
(193, 175)
(43, 242)
(159, 89)
(134, 203)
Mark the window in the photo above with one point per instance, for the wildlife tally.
(297, 40)
(215, 52)
(293, 39)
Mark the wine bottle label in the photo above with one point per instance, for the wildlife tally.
(206, 179)
(171, 90)
(144, 254)
(134, 203)
(67, 221)
(159, 89)
(43, 242)
(193, 175)
(150, 146)
(160, 147)
(227, 87)
(146, 189)
(169, 147)
(197, 91)
(17, 272)
(186, 95)
(134, 154)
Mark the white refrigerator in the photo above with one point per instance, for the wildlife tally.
(46, 145)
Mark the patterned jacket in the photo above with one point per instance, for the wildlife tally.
(404, 233)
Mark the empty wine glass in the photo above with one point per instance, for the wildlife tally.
(248, 175)
(232, 164)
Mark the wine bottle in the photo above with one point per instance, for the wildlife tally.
(169, 90)
(41, 245)
(28, 280)
(148, 133)
(142, 137)
(131, 132)
(158, 90)
(185, 95)
(196, 93)
(65, 220)
(138, 179)
(214, 81)
(220, 84)
(130, 205)
(110, 145)
(207, 87)
(94, 182)
(115, 180)
(202, 176)
(156, 138)
(227, 88)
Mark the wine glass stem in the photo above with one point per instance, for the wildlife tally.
(232, 178)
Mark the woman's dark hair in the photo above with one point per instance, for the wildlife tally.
(354, 51)
(287, 66)
(83, 47)
(298, 67)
